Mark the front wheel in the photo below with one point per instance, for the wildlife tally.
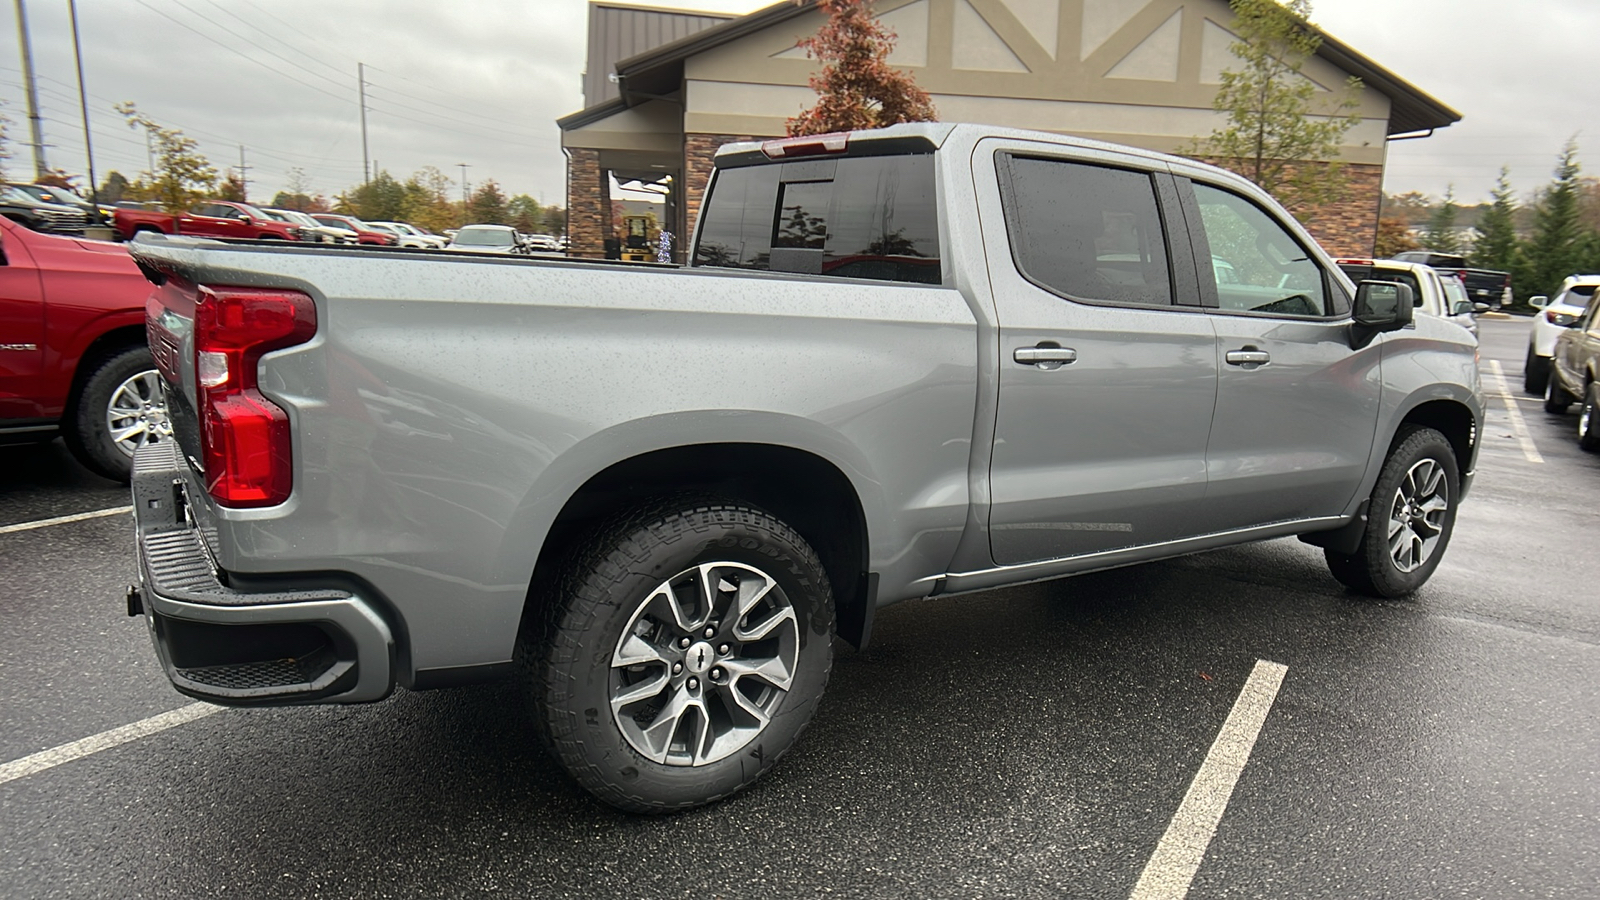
(1409, 519)
(119, 410)
(1556, 398)
(1589, 420)
(683, 654)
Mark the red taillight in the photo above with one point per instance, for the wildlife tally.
(810, 145)
(244, 437)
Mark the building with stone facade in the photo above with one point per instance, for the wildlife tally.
(665, 88)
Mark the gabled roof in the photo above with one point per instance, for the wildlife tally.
(618, 31)
(658, 71)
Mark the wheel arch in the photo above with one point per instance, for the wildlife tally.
(1451, 418)
(808, 491)
(107, 344)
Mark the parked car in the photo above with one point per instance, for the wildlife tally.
(49, 193)
(24, 208)
(1483, 285)
(654, 494)
(74, 360)
(209, 218)
(487, 239)
(1575, 374)
(542, 243)
(310, 228)
(365, 234)
(1437, 293)
(1555, 315)
(413, 237)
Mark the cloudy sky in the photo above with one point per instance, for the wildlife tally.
(482, 81)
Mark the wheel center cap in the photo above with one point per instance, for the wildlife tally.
(698, 658)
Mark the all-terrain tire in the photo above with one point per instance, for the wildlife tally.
(1373, 569)
(567, 648)
(1535, 372)
(86, 429)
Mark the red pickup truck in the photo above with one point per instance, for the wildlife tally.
(74, 359)
(210, 218)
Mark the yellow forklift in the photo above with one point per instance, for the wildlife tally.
(636, 243)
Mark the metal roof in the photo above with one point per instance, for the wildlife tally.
(618, 31)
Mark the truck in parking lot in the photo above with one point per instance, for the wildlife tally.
(925, 360)
(210, 218)
(1489, 286)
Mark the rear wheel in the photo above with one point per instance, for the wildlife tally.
(1535, 372)
(1556, 398)
(1409, 520)
(119, 410)
(1589, 420)
(682, 654)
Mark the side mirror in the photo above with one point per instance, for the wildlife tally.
(1383, 305)
(1539, 302)
(1466, 307)
(1480, 307)
(245, 218)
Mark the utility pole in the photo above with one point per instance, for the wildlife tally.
(463, 192)
(244, 177)
(361, 88)
(40, 167)
(83, 105)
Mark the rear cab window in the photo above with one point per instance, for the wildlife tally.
(872, 217)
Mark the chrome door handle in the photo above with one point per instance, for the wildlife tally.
(1045, 357)
(1248, 357)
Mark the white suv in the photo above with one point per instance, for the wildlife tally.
(1556, 314)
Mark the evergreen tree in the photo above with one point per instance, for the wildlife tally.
(488, 205)
(112, 189)
(1496, 246)
(1279, 133)
(857, 87)
(1441, 235)
(1556, 248)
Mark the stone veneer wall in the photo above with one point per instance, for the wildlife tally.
(698, 152)
(588, 204)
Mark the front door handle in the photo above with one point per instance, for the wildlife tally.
(1045, 356)
(1249, 357)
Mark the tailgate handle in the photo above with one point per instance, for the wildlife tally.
(1048, 355)
(1249, 357)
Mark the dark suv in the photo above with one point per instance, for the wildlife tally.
(1575, 374)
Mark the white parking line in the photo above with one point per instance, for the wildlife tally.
(1497, 379)
(105, 740)
(62, 520)
(1172, 867)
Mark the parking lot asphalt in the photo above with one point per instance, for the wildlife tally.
(1029, 742)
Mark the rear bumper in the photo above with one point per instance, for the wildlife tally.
(242, 648)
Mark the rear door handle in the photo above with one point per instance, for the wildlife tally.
(1249, 357)
(1045, 356)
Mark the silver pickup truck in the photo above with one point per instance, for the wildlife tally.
(921, 361)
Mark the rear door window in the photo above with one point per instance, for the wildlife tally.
(872, 217)
(1087, 232)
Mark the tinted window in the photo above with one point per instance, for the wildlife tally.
(1273, 272)
(868, 217)
(1087, 232)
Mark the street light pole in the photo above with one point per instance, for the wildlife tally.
(83, 105)
(463, 192)
(361, 87)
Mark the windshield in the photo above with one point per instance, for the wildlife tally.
(19, 195)
(251, 211)
(484, 237)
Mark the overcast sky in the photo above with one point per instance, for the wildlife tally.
(482, 81)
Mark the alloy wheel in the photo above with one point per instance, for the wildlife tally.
(704, 663)
(137, 413)
(1417, 515)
